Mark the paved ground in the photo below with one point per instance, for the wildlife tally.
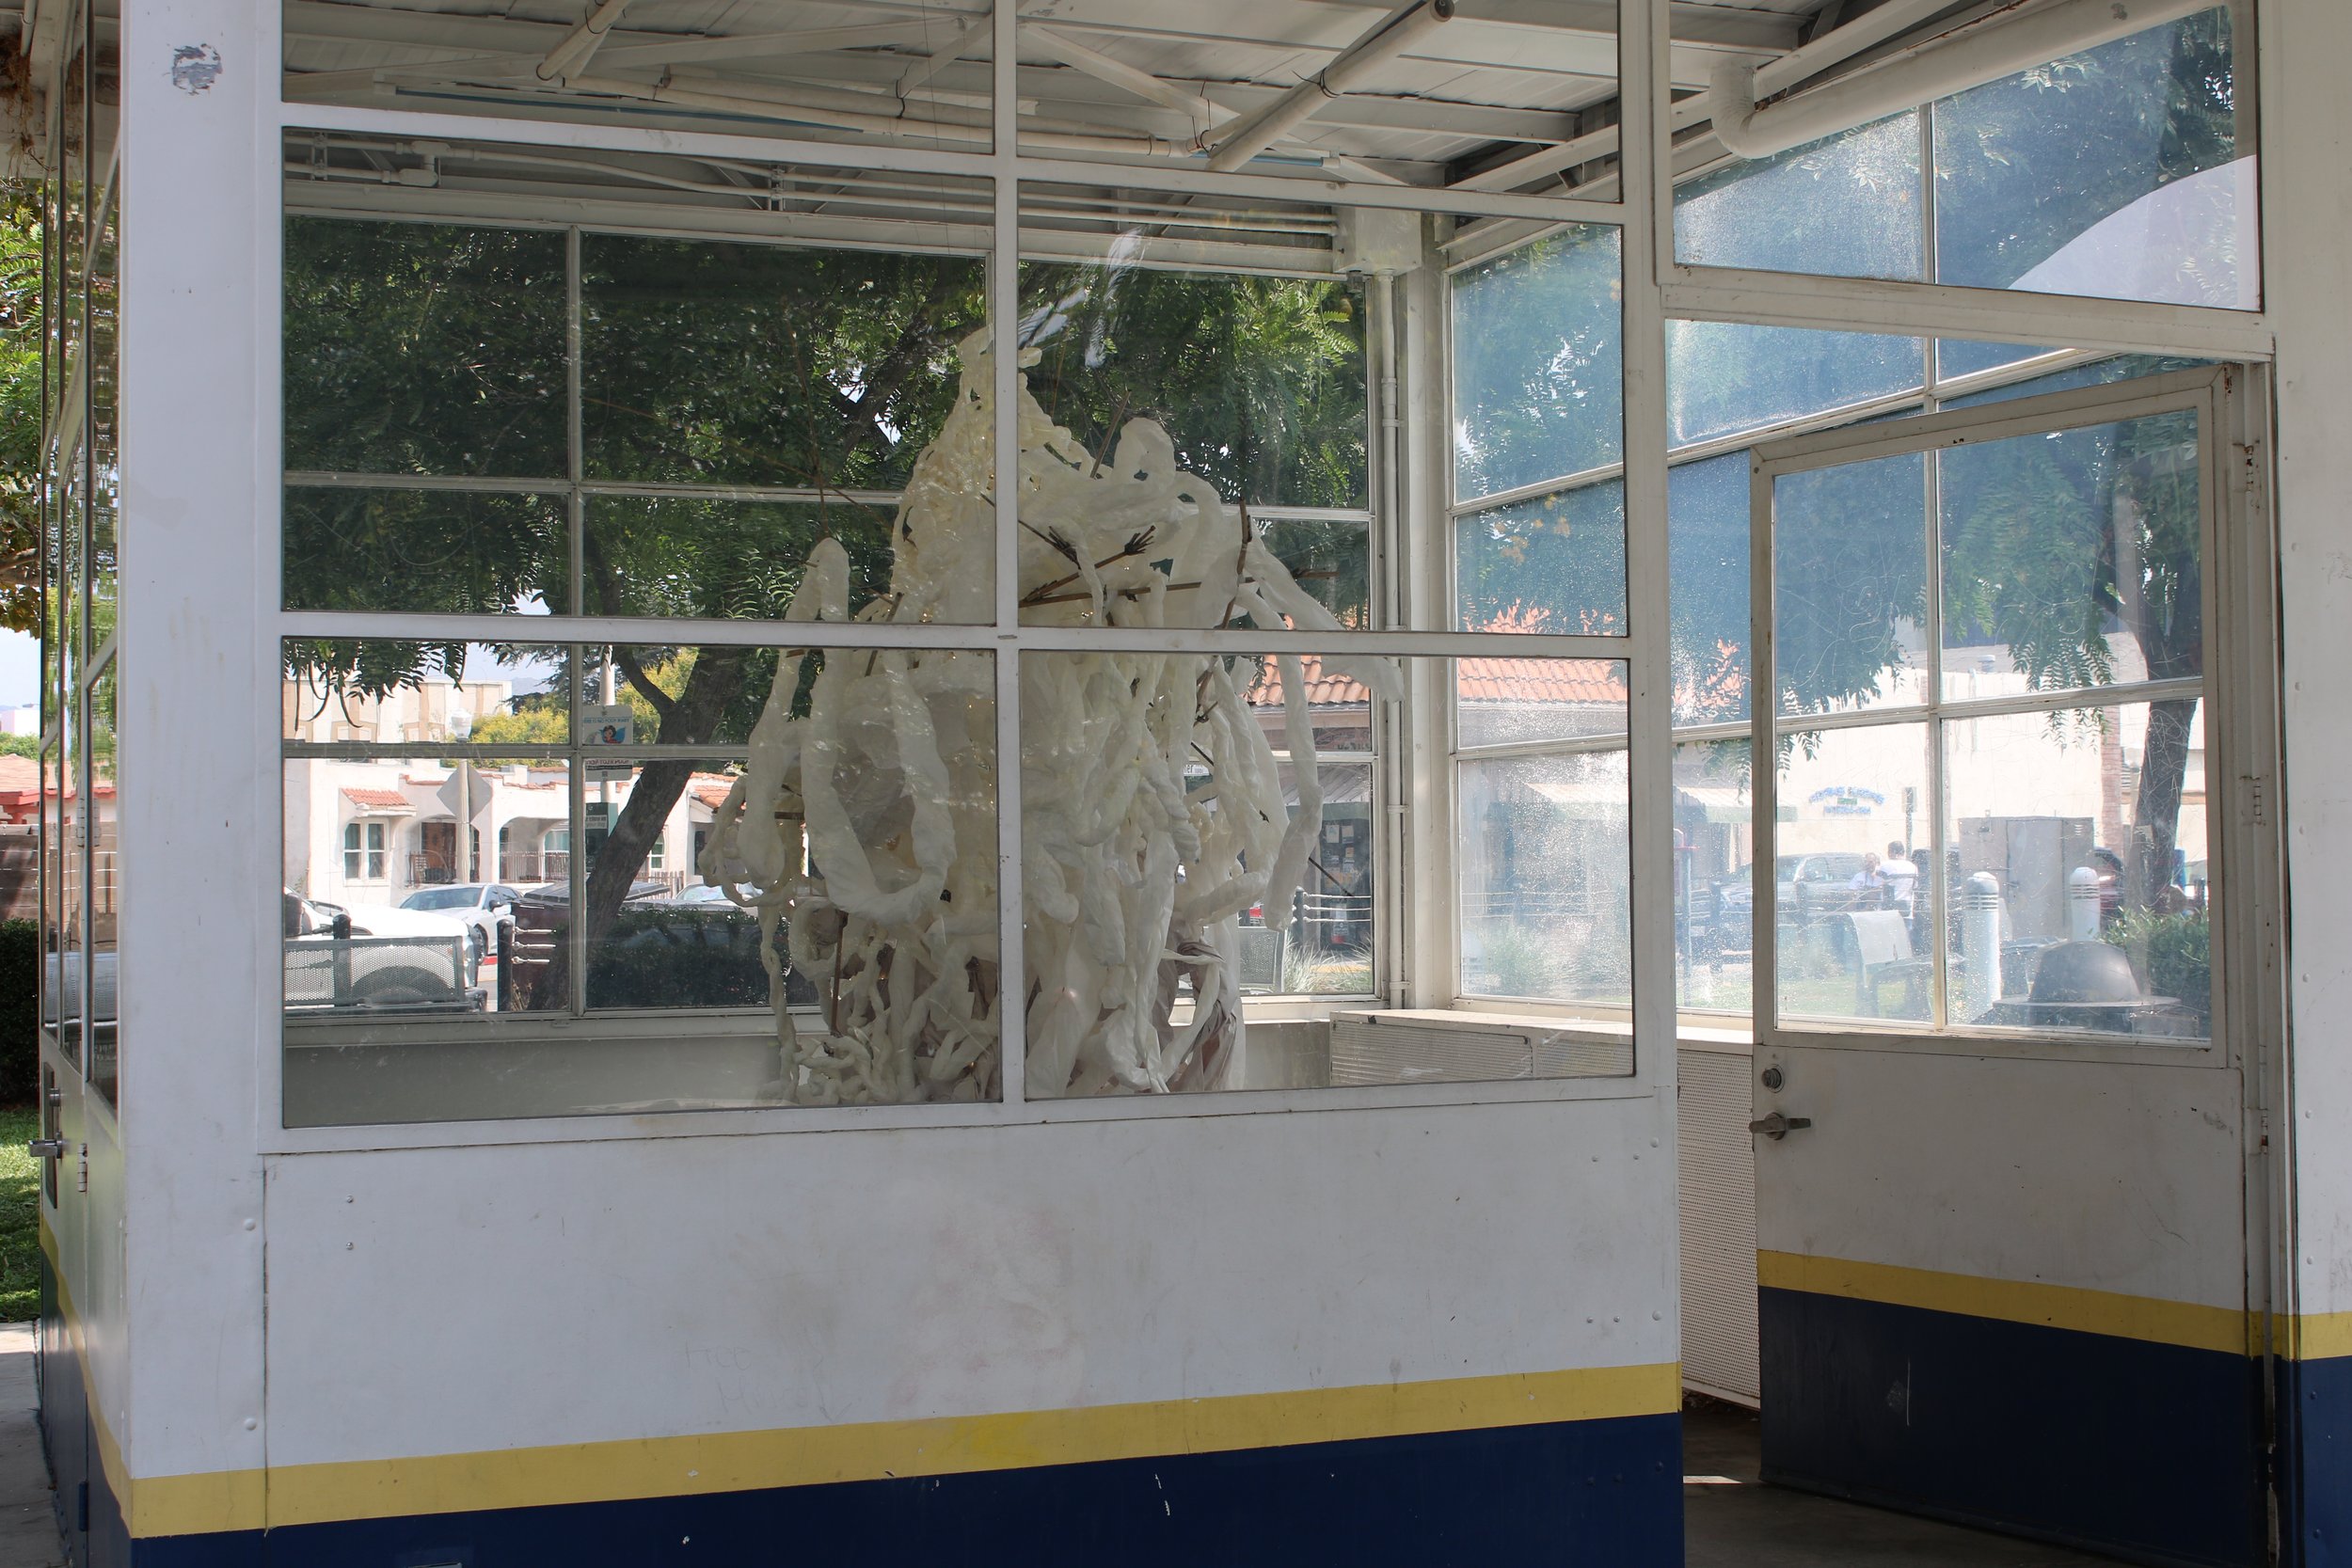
(28, 1528)
(1731, 1520)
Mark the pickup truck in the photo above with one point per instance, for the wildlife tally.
(377, 958)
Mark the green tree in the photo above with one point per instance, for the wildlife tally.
(21, 327)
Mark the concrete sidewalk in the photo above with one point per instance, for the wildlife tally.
(28, 1523)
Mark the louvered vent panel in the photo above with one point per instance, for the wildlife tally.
(1427, 1047)
(1718, 1159)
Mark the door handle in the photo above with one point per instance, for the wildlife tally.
(46, 1148)
(1778, 1126)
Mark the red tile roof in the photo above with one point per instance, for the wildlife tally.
(378, 799)
(1519, 680)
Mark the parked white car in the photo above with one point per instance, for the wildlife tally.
(377, 957)
(483, 906)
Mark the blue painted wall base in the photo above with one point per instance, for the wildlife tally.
(1603, 1494)
(2316, 1470)
(2146, 1452)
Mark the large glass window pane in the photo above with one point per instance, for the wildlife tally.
(105, 883)
(825, 370)
(1538, 363)
(1258, 381)
(695, 558)
(416, 348)
(1187, 843)
(1512, 702)
(672, 939)
(1714, 877)
(1195, 377)
(1545, 877)
(1708, 569)
(104, 477)
(1849, 585)
(2073, 558)
(380, 692)
(1723, 378)
(2117, 172)
(1331, 560)
(1848, 206)
(1853, 907)
(2098, 373)
(2083, 870)
(2121, 167)
(466, 865)
(55, 947)
(1550, 563)
(436, 551)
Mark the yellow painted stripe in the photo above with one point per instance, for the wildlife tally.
(741, 1461)
(2168, 1323)
(2317, 1335)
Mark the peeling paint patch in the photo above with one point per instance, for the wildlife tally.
(195, 67)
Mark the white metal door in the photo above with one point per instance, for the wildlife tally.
(2001, 1140)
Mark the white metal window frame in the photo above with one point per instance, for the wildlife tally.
(1655, 287)
(2202, 392)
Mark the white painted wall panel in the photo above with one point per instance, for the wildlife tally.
(2097, 1175)
(478, 1298)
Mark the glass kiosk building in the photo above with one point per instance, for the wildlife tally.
(1083, 782)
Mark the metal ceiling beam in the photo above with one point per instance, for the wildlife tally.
(1241, 140)
(1872, 28)
(945, 55)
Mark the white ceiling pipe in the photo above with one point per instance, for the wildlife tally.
(1827, 49)
(1245, 139)
(1985, 52)
(1119, 74)
(570, 56)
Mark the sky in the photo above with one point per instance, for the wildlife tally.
(20, 668)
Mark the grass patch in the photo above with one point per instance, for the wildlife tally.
(20, 1217)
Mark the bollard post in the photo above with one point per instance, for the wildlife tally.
(1981, 943)
(2082, 904)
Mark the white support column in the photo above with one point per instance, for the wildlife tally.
(200, 830)
(1648, 232)
(2307, 209)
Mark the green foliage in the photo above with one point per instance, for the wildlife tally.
(20, 745)
(21, 327)
(1518, 960)
(709, 363)
(434, 550)
(1538, 363)
(1258, 381)
(19, 1217)
(1553, 563)
(664, 957)
(415, 348)
(541, 724)
(1329, 971)
(20, 1011)
(2171, 953)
